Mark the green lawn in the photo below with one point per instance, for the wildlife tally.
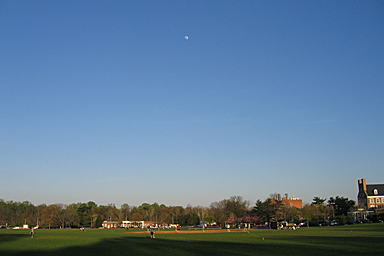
(363, 239)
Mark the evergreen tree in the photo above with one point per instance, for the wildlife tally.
(99, 221)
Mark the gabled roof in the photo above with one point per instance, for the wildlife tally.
(371, 189)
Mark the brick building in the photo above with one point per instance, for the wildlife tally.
(290, 202)
(370, 196)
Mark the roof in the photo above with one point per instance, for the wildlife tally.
(371, 189)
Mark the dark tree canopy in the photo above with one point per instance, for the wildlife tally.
(341, 205)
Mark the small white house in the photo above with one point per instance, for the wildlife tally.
(110, 224)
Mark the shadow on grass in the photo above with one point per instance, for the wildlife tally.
(143, 245)
(4, 238)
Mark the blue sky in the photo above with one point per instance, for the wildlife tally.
(107, 101)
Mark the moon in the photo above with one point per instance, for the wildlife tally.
(186, 37)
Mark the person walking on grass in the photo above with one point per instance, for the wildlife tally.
(153, 233)
(32, 231)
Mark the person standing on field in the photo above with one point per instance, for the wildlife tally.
(32, 231)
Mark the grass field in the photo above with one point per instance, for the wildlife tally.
(363, 239)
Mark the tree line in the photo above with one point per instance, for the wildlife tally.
(234, 210)
(316, 213)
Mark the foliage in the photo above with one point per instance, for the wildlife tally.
(320, 211)
(318, 201)
(209, 219)
(308, 212)
(190, 219)
(233, 209)
(376, 217)
(49, 217)
(342, 219)
(99, 221)
(83, 211)
(341, 205)
(137, 216)
(267, 210)
(125, 210)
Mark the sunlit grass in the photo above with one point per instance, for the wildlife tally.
(361, 239)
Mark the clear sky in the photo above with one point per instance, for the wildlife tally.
(108, 101)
